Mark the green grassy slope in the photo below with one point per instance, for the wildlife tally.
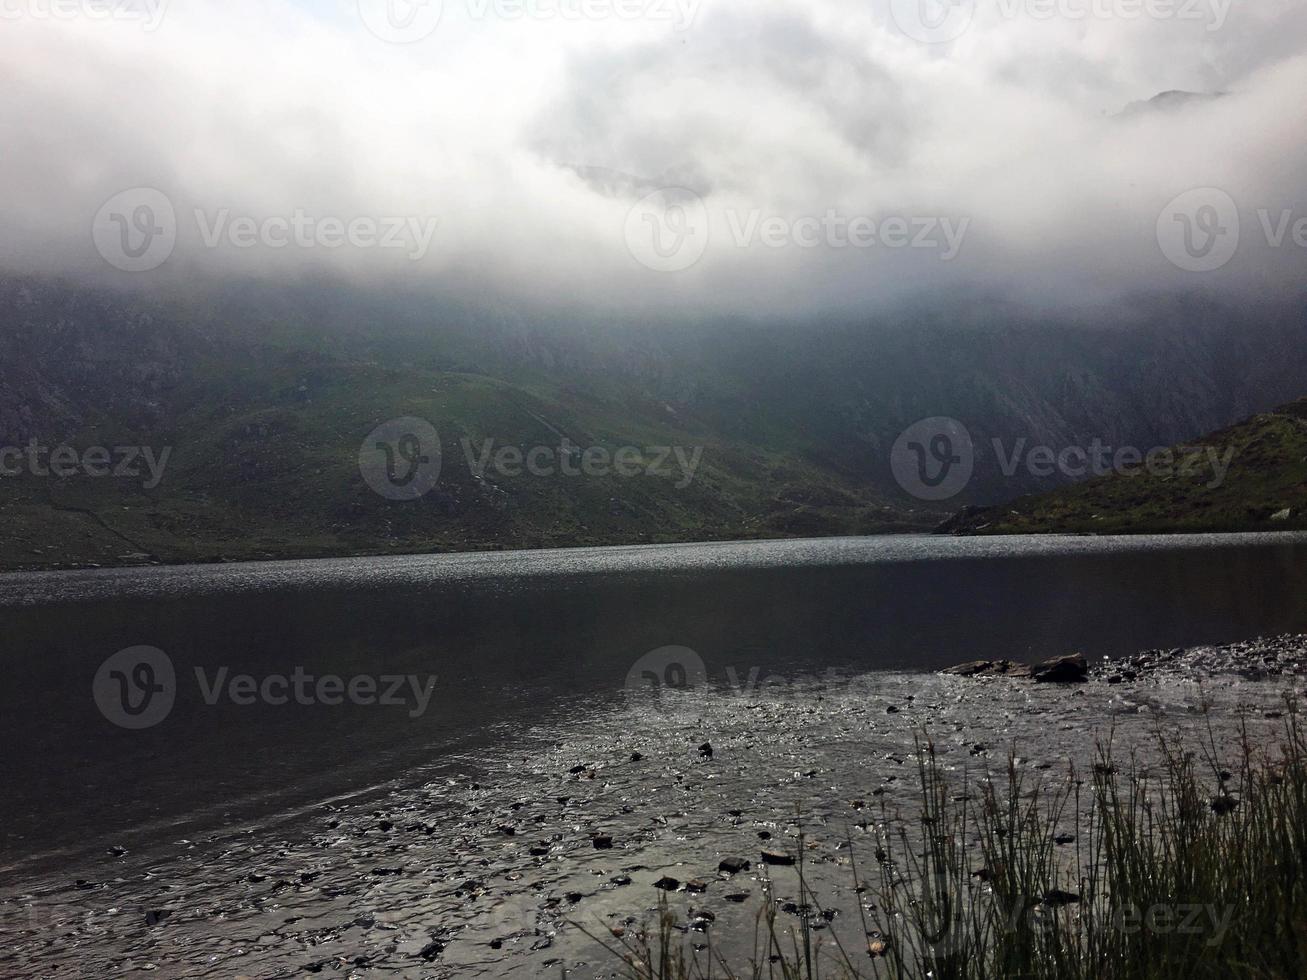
(264, 394)
(1267, 476)
(265, 463)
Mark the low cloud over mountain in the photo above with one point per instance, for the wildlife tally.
(824, 155)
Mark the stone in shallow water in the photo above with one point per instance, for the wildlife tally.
(777, 857)
(1224, 805)
(702, 920)
(1058, 898)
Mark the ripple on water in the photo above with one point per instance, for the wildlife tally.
(489, 869)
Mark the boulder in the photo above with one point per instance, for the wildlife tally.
(1060, 670)
(987, 668)
(1070, 669)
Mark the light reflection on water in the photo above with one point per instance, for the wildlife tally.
(524, 638)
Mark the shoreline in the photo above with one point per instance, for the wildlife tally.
(932, 530)
(486, 869)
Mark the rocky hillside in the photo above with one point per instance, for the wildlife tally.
(262, 397)
(1249, 477)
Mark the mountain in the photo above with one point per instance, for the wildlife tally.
(1170, 101)
(1249, 477)
(262, 397)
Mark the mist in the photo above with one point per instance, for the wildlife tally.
(769, 157)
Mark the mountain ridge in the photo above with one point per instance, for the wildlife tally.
(265, 395)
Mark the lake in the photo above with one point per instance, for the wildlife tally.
(436, 656)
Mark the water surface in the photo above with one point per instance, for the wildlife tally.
(519, 639)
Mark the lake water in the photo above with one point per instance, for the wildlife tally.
(516, 639)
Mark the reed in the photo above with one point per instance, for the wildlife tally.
(1192, 866)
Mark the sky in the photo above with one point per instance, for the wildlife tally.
(713, 156)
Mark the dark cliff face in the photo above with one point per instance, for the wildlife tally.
(73, 360)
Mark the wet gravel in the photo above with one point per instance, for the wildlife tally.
(491, 867)
(1263, 658)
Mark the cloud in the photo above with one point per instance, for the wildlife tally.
(820, 157)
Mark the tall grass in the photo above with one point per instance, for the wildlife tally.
(1179, 869)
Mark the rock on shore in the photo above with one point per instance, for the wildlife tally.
(1260, 658)
(1070, 669)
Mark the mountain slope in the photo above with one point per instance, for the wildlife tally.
(263, 397)
(1248, 477)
